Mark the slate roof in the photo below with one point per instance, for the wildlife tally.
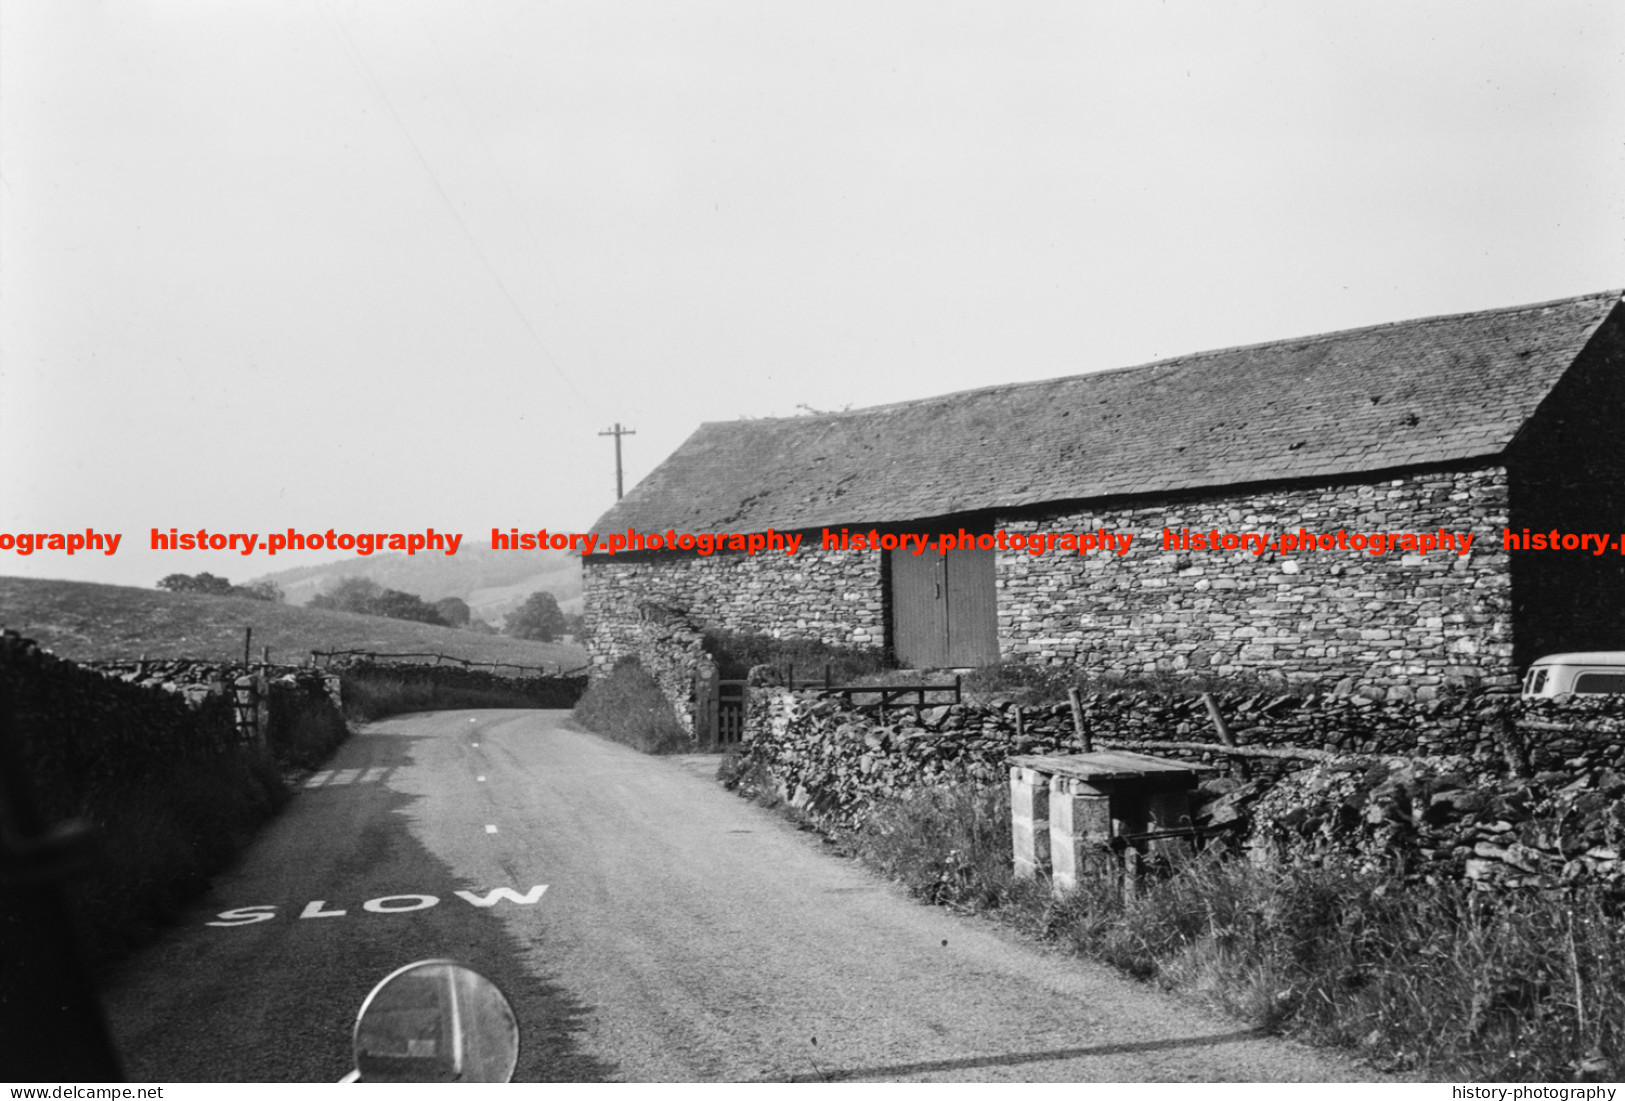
(1412, 393)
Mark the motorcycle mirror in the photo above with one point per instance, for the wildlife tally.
(435, 1021)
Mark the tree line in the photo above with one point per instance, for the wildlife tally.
(539, 618)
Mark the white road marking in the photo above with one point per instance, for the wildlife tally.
(319, 778)
(490, 829)
(389, 904)
(373, 775)
(476, 745)
(347, 776)
(479, 779)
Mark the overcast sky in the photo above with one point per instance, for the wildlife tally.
(391, 265)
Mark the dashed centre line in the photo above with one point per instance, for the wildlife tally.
(490, 829)
(328, 777)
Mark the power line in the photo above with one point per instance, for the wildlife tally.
(358, 59)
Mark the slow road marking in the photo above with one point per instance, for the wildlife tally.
(388, 904)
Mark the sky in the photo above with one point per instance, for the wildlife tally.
(392, 265)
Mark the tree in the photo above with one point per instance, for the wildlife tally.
(367, 597)
(398, 605)
(202, 583)
(538, 618)
(453, 610)
(261, 590)
(350, 594)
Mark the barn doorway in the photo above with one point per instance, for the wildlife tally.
(944, 608)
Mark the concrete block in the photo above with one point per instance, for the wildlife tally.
(1029, 822)
(1080, 828)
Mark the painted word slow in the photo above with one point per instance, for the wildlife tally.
(388, 904)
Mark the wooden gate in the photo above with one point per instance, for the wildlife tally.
(730, 712)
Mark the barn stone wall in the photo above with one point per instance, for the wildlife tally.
(1400, 623)
(832, 596)
(1397, 625)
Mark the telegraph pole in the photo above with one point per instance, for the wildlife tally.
(618, 432)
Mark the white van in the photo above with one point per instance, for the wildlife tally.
(1597, 672)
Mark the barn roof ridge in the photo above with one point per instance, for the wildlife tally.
(1425, 392)
(1181, 359)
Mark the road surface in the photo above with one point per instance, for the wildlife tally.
(683, 934)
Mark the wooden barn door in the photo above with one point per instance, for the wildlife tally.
(973, 618)
(944, 609)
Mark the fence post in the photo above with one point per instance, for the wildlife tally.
(1084, 737)
(1238, 764)
(248, 643)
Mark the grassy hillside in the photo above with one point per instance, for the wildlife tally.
(77, 619)
(493, 582)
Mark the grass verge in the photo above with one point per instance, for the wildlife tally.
(1437, 980)
(627, 706)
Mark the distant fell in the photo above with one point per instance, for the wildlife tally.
(492, 582)
(86, 621)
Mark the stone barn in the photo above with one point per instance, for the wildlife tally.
(1299, 459)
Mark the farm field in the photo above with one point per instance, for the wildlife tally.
(87, 622)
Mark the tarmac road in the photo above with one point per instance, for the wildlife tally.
(683, 935)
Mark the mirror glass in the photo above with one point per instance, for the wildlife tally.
(436, 1021)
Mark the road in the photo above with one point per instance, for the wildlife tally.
(683, 935)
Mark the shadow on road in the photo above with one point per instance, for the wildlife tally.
(276, 1000)
(901, 1070)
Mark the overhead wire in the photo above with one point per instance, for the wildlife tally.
(358, 59)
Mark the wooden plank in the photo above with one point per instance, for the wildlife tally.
(972, 607)
(919, 611)
(1102, 765)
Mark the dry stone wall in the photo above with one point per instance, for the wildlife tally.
(1502, 792)
(538, 691)
(82, 734)
(1396, 626)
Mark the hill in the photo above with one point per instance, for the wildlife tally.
(78, 619)
(493, 582)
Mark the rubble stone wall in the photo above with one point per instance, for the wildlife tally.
(1397, 625)
(1505, 791)
(832, 596)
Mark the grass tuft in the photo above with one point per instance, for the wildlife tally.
(627, 706)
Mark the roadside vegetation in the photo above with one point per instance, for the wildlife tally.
(1438, 980)
(90, 622)
(171, 793)
(627, 706)
(736, 653)
(1039, 685)
(372, 693)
